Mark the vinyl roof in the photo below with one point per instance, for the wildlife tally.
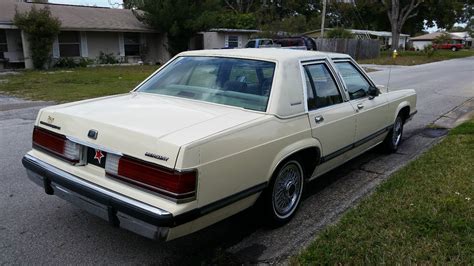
(79, 17)
(272, 54)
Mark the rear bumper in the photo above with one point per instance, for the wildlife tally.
(117, 209)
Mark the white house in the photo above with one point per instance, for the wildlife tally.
(221, 38)
(85, 32)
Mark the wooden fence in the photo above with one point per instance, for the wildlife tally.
(358, 49)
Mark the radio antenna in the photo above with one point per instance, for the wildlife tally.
(389, 75)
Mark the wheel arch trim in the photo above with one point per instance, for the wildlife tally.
(292, 149)
(399, 108)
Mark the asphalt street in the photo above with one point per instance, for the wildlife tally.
(39, 229)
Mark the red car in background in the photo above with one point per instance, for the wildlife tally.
(453, 46)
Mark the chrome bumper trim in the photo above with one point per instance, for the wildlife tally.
(113, 207)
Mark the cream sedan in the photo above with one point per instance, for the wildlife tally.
(211, 133)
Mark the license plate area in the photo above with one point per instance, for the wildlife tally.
(96, 157)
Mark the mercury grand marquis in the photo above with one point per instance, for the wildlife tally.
(211, 133)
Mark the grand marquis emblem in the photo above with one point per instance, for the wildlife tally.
(157, 156)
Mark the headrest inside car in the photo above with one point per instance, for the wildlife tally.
(238, 86)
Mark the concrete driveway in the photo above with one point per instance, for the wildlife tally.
(40, 229)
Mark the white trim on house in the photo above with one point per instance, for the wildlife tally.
(84, 48)
(121, 44)
(56, 48)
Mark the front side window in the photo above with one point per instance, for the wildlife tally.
(356, 84)
(69, 44)
(322, 89)
(229, 81)
(131, 42)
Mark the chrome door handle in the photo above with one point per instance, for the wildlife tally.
(318, 119)
(360, 106)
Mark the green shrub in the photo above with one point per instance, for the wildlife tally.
(66, 62)
(71, 62)
(84, 62)
(41, 29)
(107, 58)
(429, 50)
(442, 39)
(339, 33)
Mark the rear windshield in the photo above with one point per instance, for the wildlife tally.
(230, 81)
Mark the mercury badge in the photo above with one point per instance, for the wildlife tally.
(93, 134)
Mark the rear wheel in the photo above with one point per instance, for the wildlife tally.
(283, 195)
(394, 137)
(454, 48)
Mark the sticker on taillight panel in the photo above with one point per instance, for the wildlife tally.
(96, 157)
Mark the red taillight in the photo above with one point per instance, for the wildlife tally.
(56, 144)
(171, 183)
(48, 140)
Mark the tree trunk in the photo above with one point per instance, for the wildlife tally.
(398, 16)
(395, 38)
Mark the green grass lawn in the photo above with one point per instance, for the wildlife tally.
(67, 85)
(423, 214)
(409, 58)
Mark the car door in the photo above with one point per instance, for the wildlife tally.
(331, 116)
(372, 112)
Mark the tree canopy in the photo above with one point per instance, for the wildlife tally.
(181, 19)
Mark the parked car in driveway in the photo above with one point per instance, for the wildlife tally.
(297, 42)
(259, 43)
(452, 45)
(211, 133)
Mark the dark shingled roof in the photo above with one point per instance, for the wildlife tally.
(79, 17)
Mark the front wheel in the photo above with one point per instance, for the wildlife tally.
(454, 49)
(394, 137)
(283, 195)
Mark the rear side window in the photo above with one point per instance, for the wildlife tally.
(322, 88)
(356, 84)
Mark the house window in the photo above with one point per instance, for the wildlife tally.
(3, 43)
(132, 43)
(232, 41)
(69, 44)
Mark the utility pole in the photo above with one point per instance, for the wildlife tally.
(323, 18)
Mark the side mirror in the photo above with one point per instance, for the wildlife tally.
(373, 92)
(382, 88)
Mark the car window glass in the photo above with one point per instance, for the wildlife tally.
(356, 84)
(243, 73)
(203, 75)
(310, 94)
(324, 86)
(230, 81)
(250, 44)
